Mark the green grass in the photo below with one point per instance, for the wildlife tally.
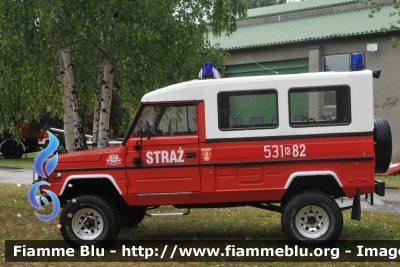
(18, 222)
(243, 223)
(390, 180)
(25, 162)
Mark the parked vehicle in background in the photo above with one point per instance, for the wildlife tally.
(59, 133)
(32, 140)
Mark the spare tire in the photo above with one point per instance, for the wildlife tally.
(383, 145)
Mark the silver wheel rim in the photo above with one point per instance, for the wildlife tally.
(312, 222)
(87, 224)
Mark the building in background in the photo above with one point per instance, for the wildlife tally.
(321, 35)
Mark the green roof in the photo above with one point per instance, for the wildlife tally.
(342, 24)
(295, 7)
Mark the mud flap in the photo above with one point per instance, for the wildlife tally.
(379, 188)
(356, 209)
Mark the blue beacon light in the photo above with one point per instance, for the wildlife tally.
(357, 61)
(209, 71)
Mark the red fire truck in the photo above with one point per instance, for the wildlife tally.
(287, 143)
(33, 139)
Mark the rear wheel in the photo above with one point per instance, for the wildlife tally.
(12, 150)
(90, 220)
(312, 217)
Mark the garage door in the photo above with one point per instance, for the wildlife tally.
(282, 67)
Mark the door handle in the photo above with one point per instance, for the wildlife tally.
(190, 154)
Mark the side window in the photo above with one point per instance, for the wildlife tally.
(337, 63)
(168, 120)
(247, 110)
(325, 106)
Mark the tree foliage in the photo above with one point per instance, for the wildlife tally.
(26, 69)
(152, 43)
(376, 6)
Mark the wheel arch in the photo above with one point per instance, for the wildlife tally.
(101, 184)
(324, 181)
(91, 177)
(15, 140)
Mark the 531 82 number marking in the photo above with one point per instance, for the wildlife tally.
(281, 151)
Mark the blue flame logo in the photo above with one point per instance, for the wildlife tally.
(44, 170)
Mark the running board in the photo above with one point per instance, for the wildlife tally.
(168, 214)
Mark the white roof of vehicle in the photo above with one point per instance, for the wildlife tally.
(361, 95)
(200, 89)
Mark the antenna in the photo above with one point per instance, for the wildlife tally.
(263, 66)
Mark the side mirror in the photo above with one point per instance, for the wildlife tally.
(148, 129)
(138, 161)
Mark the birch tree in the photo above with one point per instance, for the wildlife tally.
(104, 118)
(66, 101)
(97, 104)
(72, 105)
(152, 43)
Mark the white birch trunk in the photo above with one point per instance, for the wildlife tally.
(79, 137)
(97, 105)
(104, 123)
(68, 117)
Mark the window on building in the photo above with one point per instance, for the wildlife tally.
(337, 63)
(168, 120)
(247, 110)
(324, 106)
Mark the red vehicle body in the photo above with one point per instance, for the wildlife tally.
(33, 139)
(204, 144)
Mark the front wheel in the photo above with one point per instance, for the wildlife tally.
(312, 217)
(90, 220)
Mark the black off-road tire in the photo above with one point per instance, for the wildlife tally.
(132, 216)
(12, 150)
(383, 145)
(90, 220)
(312, 218)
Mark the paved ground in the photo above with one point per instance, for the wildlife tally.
(9, 175)
(389, 203)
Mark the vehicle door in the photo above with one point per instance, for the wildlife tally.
(162, 151)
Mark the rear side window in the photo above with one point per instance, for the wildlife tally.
(247, 110)
(325, 106)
